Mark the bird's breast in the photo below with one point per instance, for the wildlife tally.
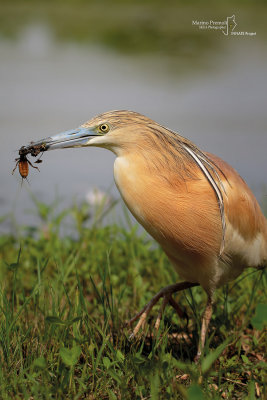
(182, 216)
(130, 185)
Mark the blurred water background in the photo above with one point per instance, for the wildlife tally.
(61, 63)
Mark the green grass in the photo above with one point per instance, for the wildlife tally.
(64, 300)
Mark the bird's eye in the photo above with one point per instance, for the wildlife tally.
(104, 128)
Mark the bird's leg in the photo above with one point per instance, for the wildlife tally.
(166, 293)
(165, 301)
(168, 299)
(204, 327)
(180, 312)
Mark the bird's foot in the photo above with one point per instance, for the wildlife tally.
(166, 294)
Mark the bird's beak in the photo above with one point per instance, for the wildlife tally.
(74, 138)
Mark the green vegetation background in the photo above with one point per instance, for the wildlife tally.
(64, 300)
(137, 27)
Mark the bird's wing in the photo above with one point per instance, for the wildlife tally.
(241, 207)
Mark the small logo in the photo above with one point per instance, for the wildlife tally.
(227, 27)
(230, 25)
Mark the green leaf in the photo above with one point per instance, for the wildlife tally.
(154, 386)
(70, 356)
(111, 394)
(185, 367)
(212, 356)
(120, 357)
(195, 393)
(39, 363)
(12, 266)
(106, 362)
(260, 317)
(51, 319)
(251, 391)
(72, 321)
(245, 359)
(115, 376)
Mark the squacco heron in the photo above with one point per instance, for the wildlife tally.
(192, 203)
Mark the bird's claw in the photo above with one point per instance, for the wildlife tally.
(166, 294)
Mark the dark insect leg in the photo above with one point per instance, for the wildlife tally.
(33, 166)
(17, 162)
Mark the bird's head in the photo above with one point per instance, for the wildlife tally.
(114, 130)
